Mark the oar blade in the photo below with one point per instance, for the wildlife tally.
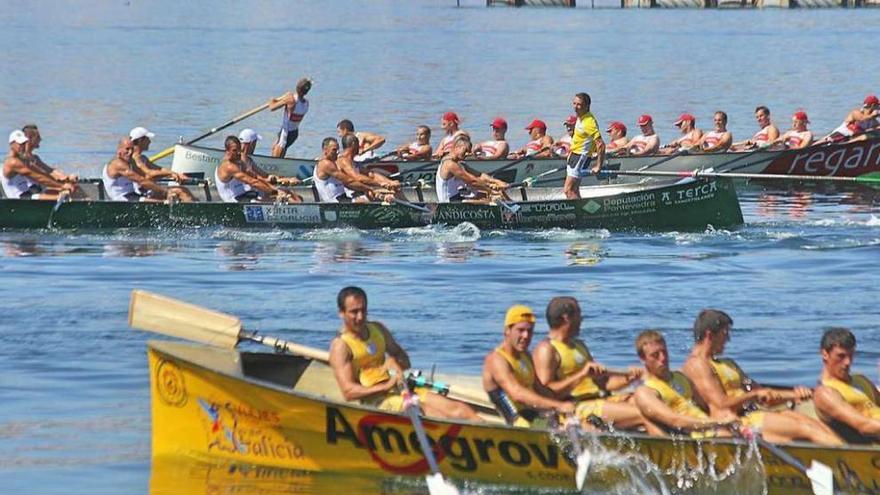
(439, 486)
(821, 478)
(168, 316)
(583, 467)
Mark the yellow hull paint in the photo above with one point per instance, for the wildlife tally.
(205, 408)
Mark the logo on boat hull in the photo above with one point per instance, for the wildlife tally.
(170, 385)
(295, 214)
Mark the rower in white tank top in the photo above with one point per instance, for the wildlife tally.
(638, 144)
(563, 146)
(445, 145)
(230, 191)
(119, 189)
(290, 120)
(795, 139)
(712, 138)
(448, 188)
(533, 146)
(17, 185)
(330, 189)
(489, 148)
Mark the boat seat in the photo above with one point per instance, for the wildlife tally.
(280, 369)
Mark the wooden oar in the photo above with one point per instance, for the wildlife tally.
(436, 484)
(233, 121)
(872, 178)
(169, 316)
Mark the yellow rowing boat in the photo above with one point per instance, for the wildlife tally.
(284, 414)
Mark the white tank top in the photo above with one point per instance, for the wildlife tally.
(117, 188)
(446, 144)
(229, 190)
(564, 145)
(447, 188)
(795, 139)
(290, 121)
(533, 146)
(761, 136)
(329, 189)
(712, 138)
(414, 147)
(15, 186)
(489, 148)
(638, 143)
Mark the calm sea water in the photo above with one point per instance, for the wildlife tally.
(73, 377)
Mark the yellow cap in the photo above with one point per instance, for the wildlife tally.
(519, 314)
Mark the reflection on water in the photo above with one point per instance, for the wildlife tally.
(22, 248)
(585, 253)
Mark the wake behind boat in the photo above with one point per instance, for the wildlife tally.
(654, 206)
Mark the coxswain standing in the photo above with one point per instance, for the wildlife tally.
(296, 106)
(586, 141)
(540, 145)
(718, 139)
(420, 149)
(456, 182)
(497, 147)
(368, 364)
(20, 181)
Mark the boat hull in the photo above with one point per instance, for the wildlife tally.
(843, 160)
(217, 405)
(689, 205)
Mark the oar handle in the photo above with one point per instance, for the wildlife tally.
(286, 346)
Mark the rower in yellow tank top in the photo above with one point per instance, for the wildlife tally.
(859, 393)
(367, 356)
(731, 377)
(677, 393)
(523, 370)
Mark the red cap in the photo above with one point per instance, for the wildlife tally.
(571, 120)
(498, 123)
(683, 117)
(871, 100)
(536, 123)
(801, 115)
(616, 125)
(451, 116)
(645, 119)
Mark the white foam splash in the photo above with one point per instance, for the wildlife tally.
(251, 235)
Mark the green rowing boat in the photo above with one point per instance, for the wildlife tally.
(684, 205)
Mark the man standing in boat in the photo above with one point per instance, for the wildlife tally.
(369, 141)
(718, 139)
(497, 147)
(768, 133)
(586, 141)
(296, 106)
(728, 390)
(140, 140)
(21, 181)
(850, 403)
(564, 365)
(125, 181)
(456, 182)
(509, 376)
(236, 185)
(645, 144)
(368, 363)
(539, 146)
(420, 149)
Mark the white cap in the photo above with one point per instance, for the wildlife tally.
(249, 136)
(17, 136)
(139, 132)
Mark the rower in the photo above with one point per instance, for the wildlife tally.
(646, 143)
(456, 182)
(330, 181)
(564, 365)
(296, 106)
(798, 137)
(377, 184)
(539, 146)
(562, 146)
(236, 184)
(586, 141)
(497, 147)
(718, 139)
(668, 398)
(249, 139)
(768, 133)
(848, 402)
(857, 123)
(728, 390)
(125, 181)
(369, 141)
(449, 123)
(21, 181)
(140, 140)
(35, 162)
(420, 149)
(617, 132)
(689, 138)
(368, 363)
(509, 373)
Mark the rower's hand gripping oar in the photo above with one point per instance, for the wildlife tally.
(436, 484)
(820, 475)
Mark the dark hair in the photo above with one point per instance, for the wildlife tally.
(648, 337)
(327, 140)
(304, 85)
(722, 114)
(559, 307)
(347, 292)
(346, 125)
(712, 321)
(762, 108)
(29, 130)
(424, 128)
(585, 98)
(227, 143)
(349, 141)
(838, 336)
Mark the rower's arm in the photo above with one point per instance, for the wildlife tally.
(649, 403)
(830, 403)
(500, 153)
(282, 101)
(41, 178)
(469, 176)
(371, 141)
(707, 386)
(395, 350)
(600, 153)
(343, 371)
(546, 361)
(503, 376)
(353, 175)
(141, 180)
(349, 181)
(255, 183)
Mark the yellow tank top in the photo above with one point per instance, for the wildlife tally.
(730, 375)
(571, 360)
(368, 356)
(586, 132)
(677, 394)
(860, 394)
(523, 370)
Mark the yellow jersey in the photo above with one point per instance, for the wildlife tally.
(571, 359)
(586, 132)
(368, 356)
